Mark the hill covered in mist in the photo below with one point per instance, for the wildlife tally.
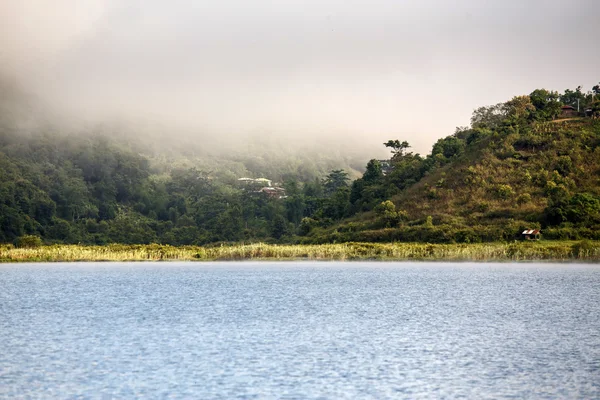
(68, 179)
(517, 166)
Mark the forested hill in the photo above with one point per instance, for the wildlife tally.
(519, 165)
(78, 183)
(529, 163)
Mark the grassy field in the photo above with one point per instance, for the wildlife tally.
(518, 251)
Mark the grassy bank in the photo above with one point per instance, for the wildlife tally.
(521, 251)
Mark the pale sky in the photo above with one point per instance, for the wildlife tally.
(360, 71)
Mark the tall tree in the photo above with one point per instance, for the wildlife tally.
(336, 179)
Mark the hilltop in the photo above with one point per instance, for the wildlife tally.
(519, 166)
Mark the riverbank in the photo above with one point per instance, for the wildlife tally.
(518, 251)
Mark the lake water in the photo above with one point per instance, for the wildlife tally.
(299, 330)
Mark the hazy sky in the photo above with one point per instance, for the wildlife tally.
(358, 70)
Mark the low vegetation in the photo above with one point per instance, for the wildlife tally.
(518, 251)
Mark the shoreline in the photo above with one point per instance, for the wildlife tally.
(557, 251)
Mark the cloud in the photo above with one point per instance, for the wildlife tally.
(355, 70)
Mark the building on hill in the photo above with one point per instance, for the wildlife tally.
(260, 182)
(263, 181)
(531, 234)
(273, 192)
(568, 112)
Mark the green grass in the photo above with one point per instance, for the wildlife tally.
(517, 251)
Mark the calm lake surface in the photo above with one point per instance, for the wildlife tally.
(299, 330)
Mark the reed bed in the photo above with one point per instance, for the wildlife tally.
(521, 251)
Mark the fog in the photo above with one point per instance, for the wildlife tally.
(314, 71)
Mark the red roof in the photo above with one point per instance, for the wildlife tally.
(568, 107)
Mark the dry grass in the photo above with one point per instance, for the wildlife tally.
(522, 251)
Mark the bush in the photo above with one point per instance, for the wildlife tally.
(28, 241)
(306, 225)
(433, 194)
(582, 249)
(564, 165)
(387, 214)
(504, 191)
(482, 206)
(524, 198)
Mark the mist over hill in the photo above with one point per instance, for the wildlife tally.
(521, 164)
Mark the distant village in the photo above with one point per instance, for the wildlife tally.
(263, 186)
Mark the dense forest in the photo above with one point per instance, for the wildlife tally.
(521, 164)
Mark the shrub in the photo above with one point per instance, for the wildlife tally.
(433, 194)
(306, 225)
(384, 207)
(428, 222)
(482, 206)
(504, 191)
(28, 241)
(582, 249)
(524, 198)
(564, 165)
(387, 214)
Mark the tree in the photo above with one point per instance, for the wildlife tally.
(519, 108)
(490, 117)
(398, 148)
(278, 227)
(448, 147)
(546, 103)
(336, 179)
(387, 214)
(373, 173)
(584, 207)
(337, 206)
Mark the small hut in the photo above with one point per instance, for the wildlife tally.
(568, 112)
(531, 234)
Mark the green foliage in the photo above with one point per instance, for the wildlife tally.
(428, 222)
(490, 117)
(335, 180)
(373, 173)
(387, 214)
(449, 147)
(306, 225)
(28, 241)
(385, 207)
(564, 165)
(398, 148)
(584, 207)
(573, 98)
(546, 103)
(583, 249)
(504, 191)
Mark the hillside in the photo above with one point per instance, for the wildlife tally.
(517, 166)
(487, 182)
